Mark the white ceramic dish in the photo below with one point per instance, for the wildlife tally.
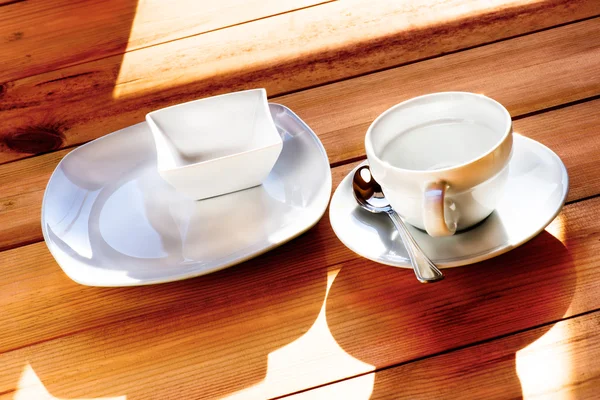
(109, 219)
(535, 192)
(216, 145)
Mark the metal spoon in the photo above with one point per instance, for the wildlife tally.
(369, 196)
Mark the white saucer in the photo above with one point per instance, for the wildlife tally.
(109, 219)
(535, 193)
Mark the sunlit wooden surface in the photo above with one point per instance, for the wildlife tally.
(311, 319)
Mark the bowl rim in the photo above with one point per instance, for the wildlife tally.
(277, 141)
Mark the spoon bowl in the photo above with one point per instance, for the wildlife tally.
(370, 196)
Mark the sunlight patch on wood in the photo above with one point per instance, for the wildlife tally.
(545, 366)
(31, 387)
(310, 360)
(261, 47)
(557, 228)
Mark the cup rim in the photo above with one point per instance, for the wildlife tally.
(372, 154)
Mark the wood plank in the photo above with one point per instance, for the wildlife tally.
(566, 131)
(41, 36)
(552, 362)
(22, 186)
(73, 105)
(525, 74)
(255, 329)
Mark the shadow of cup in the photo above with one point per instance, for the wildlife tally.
(383, 316)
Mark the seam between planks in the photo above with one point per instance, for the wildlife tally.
(440, 55)
(388, 367)
(340, 163)
(327, 82)
(556, 107)
(514, 118)
(100, 325)
(347, 78)
(8, 3)
(113, 54)
(444, 352)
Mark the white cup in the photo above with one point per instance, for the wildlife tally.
(442, 159)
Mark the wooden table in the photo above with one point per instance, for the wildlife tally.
(310, 319)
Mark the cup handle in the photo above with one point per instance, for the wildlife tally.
(433, 210)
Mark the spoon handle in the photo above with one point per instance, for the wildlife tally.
(424, 268)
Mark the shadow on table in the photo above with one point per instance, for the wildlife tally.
(211, 338)
(529, 286)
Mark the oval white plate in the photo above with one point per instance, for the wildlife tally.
(109, 219)
(535, 193)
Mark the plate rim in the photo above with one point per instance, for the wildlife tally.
(463, 261)
(327, 188)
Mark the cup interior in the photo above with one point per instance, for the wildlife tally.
(439, 131)
(214, 127)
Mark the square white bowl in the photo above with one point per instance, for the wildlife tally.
(216, 145)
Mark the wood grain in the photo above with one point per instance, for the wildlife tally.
(22, 186)
(560, 362)
(568, 131)
(9, 2)
(525, 74)
(73, 105)
(310, 312)
(221, 333)
(42, 36)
